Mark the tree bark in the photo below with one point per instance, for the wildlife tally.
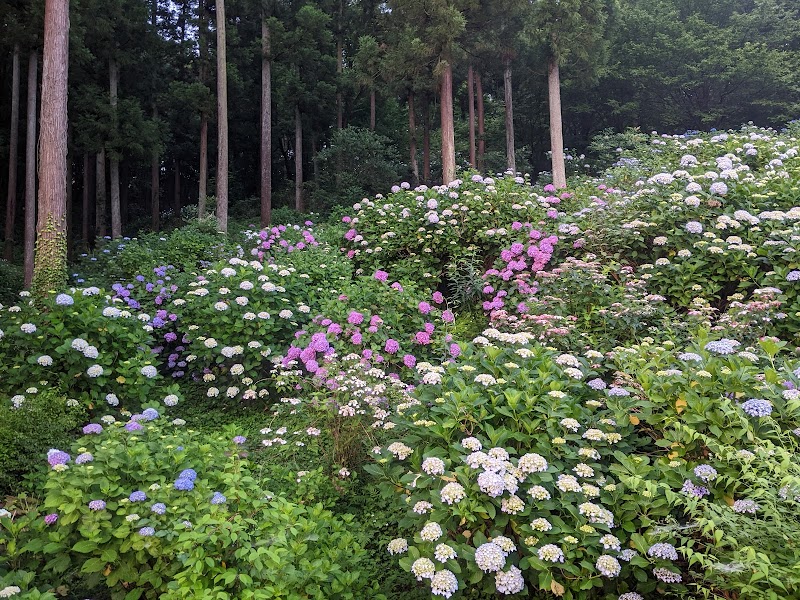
(266, 125)
(481, 121)
(556, 135)
(30, 169)
(202, 186)
(85, 198)
(50, 264)
(511, 158)
(176, 199)
(426, 141)
(412, 139)
(100, 195)
(155, 192)
(113, 158)
(372, 109)
(298, 159)
(222, 122)
(471, 102)
(13, 150)
(448, 134)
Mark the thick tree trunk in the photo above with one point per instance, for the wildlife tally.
(85, 198)
(448, 134)
(426, 142)
(481, 120)
(113, 159)
(50, 265)
(202, 186)
(511, 157)
(176, 199)
(13, 149)
(412, 139)
(556, 135)
(266, 125)
(372, 109)
(30, 169)
(471, 102)
(298, 160)
(100, 195)
(222, 122)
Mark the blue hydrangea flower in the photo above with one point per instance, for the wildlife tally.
(150, 414)
(189, 474)
(159, 508)
(239, 439)
(149, 371)
(757, 407)
(184, 484)
(64, 300)
(147, 531)
(705, 472)
(137, 496)
(722, 346)
(218, 498)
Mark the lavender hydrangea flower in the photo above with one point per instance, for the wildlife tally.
(133, 426)
(159, 508)
(691, 489)
(239, 440)
(137, 496)
(150, 414)
(83, 458)
(722, 346)
(218, 498)
(147, 531)
(65, 300)
(793, 276)
(57, 457)
(51, 519)
(92, 428)
(97, 505)
(745, 506)
(663, 550)
(705, 472)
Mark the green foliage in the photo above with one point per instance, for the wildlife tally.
(42, 420)
(11, 280)
(219, 533)
(357, 163)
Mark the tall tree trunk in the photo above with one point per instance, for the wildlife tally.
(511, 157)
(155, 192)
(448, 134)
(481, 120)
(298, 159)
(471, 102)
(11, 198)
(30, 169)
(113, 158)
(556, 135)
(176, 199)
(202, 186)
(85, 208)
(339, 66)
(266, 124)
(222, 122)
(372, 109)
(100, 195)
(426, 141)
(412, 138)
(50, 264)
(124, 189)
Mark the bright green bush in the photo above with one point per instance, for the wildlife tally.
(155, 510)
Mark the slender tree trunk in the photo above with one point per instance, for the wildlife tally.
(266, 125)
(426, 141)
(412, 138)
(85, 207)
(155, 192)
(100, 195)
(339, 67)
(471, 102)
(298, 160)
(176, 199)
(113, 159)
(372, 109)
(448, 134)
(556, 135)
(202, 186)
(222, 122)
(30, 169)
(481, 120)
(511, 158)
(50, 264)
(13, 149)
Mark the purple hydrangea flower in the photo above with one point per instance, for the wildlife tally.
(51, 519)
(97, 505)
(391, 346)
(147, 531)
(239, 440)
(705, 472)
(663, 550)
(57, 457)
(133, 426)
(92, 428)
(84, 458)
(745, 506)
(596, 384)
(793, 276)
(691, 489)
